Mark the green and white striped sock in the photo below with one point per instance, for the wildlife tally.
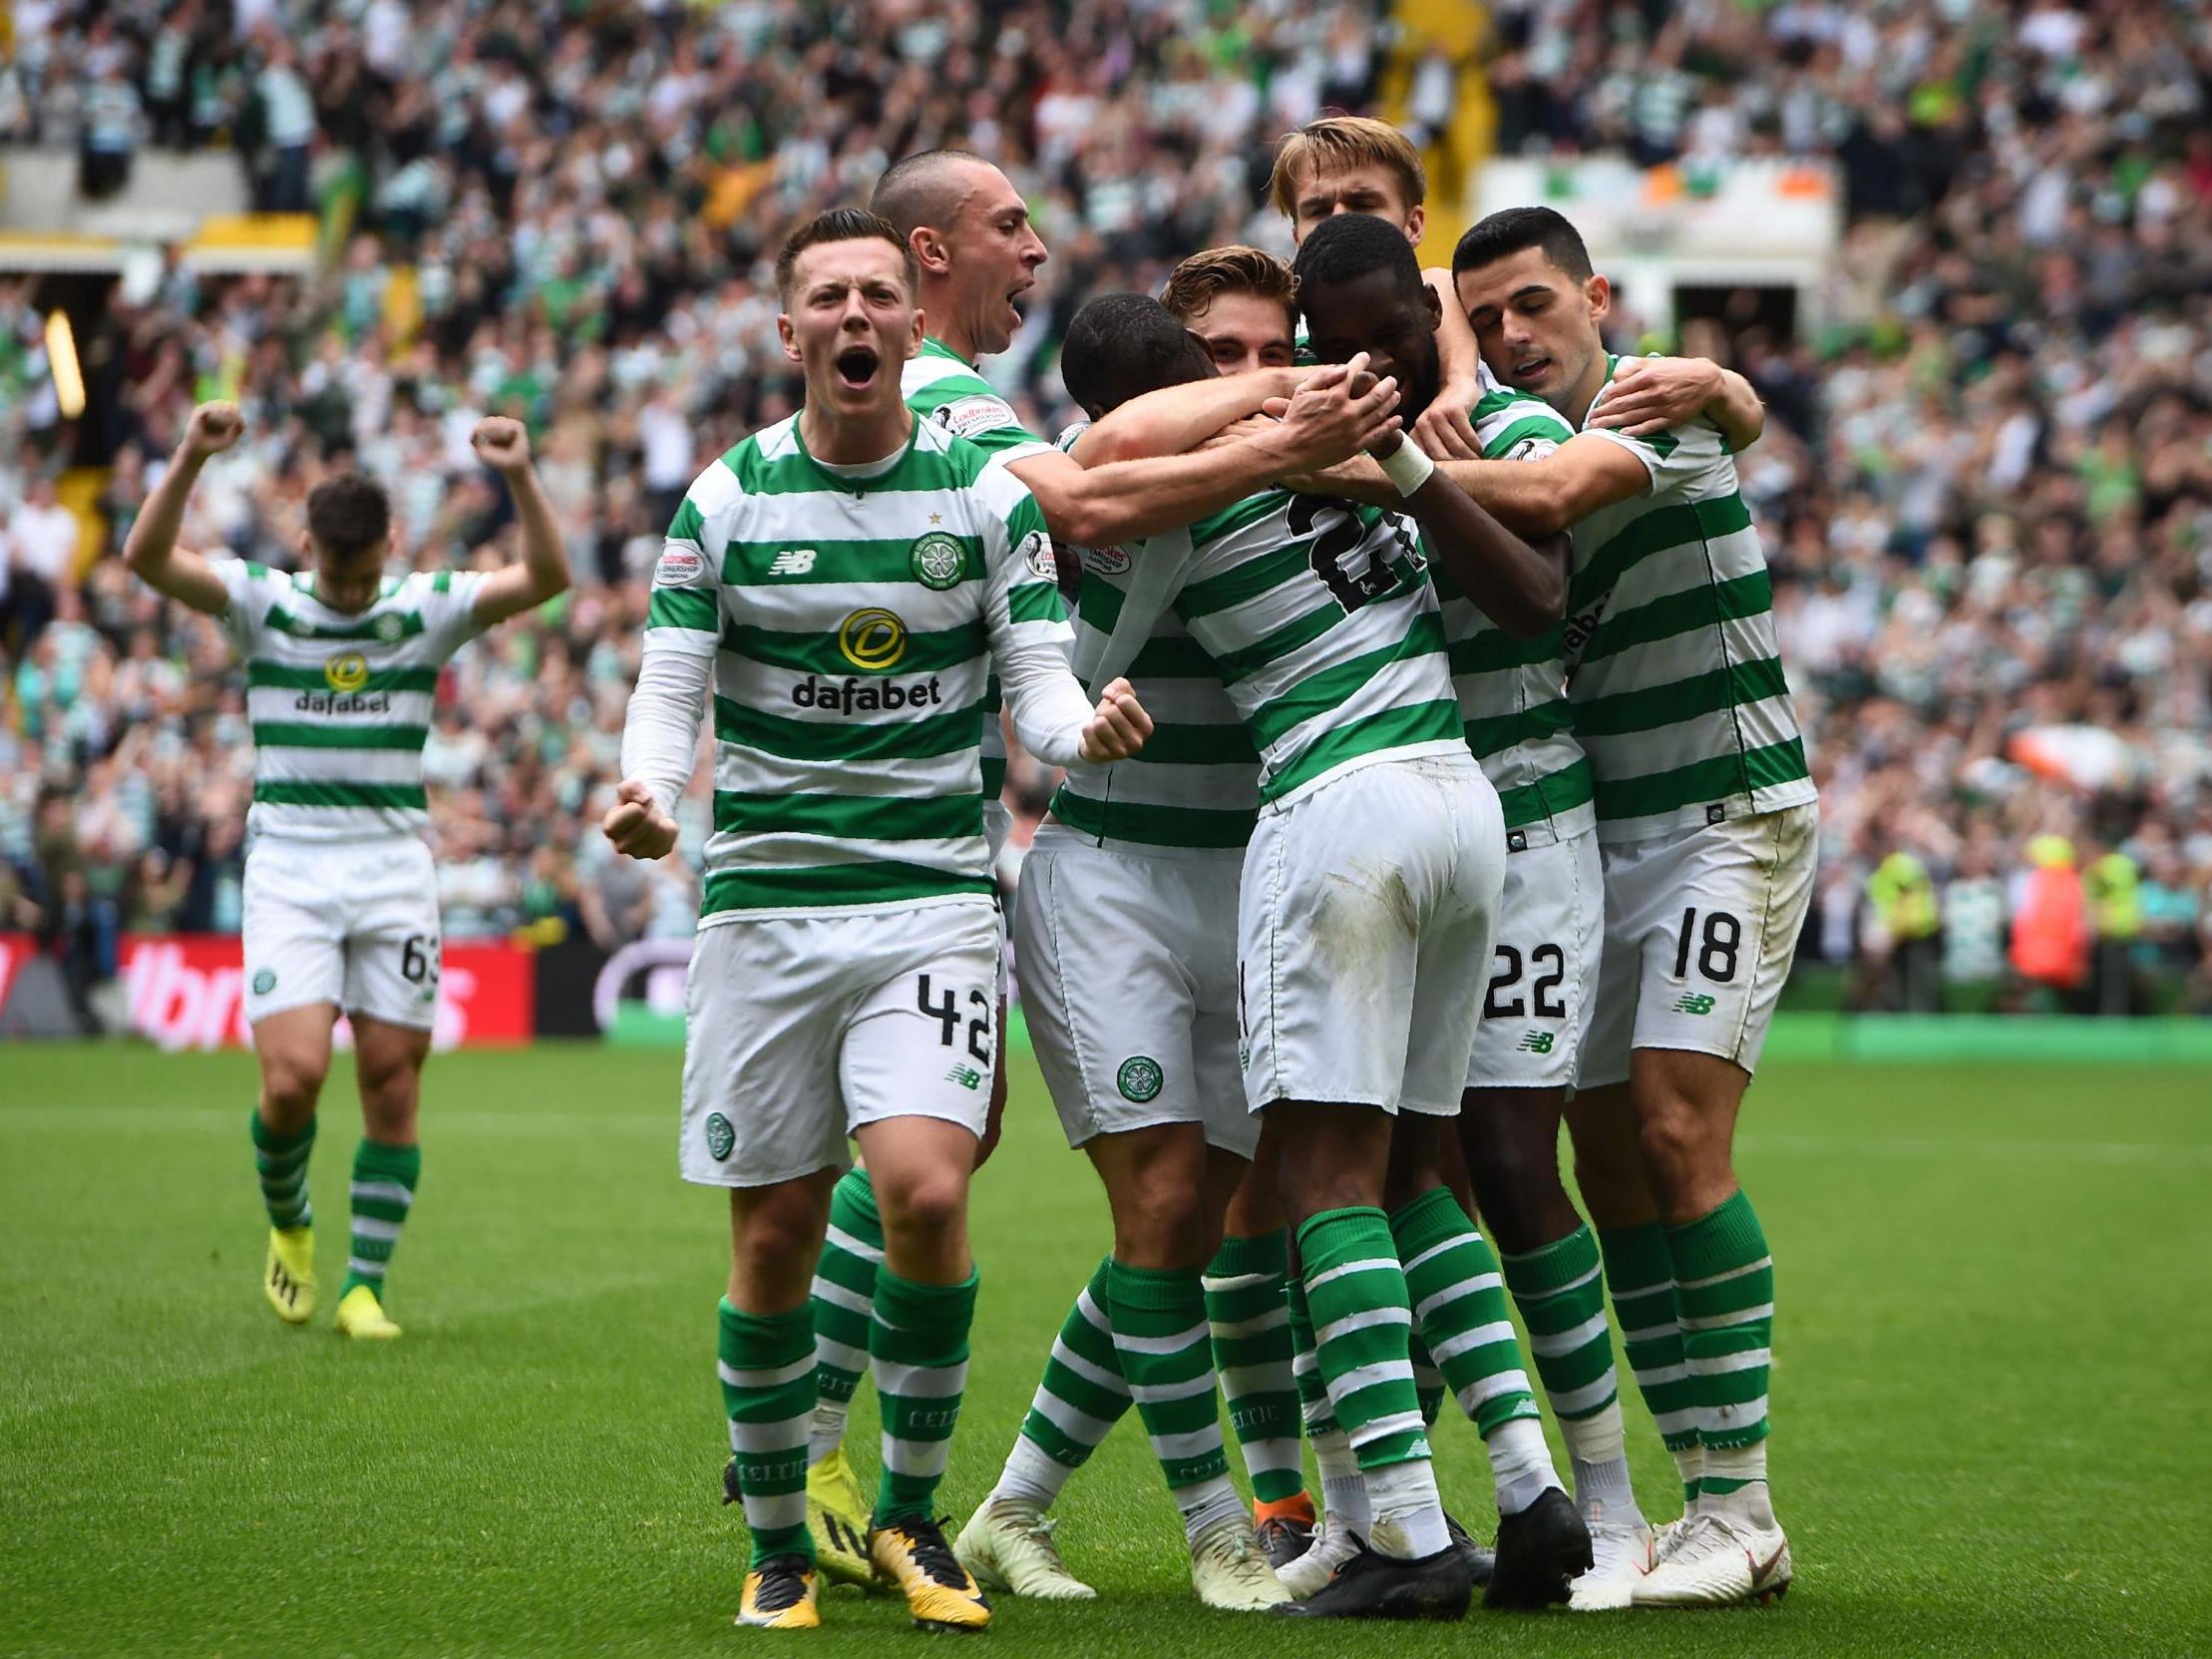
(282, 1162)
(1458, 1294)
(1640, 1272)
(917, 1343)
(1248, 1305)
(1724, 1277)
(1358, 1293)
(1167, 1353)
(384, 1180)
(1560, 1289)
(767, 1371)
(1080, 1398)
(1357, 1296)
(844, 1297)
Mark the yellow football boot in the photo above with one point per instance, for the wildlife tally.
(939, 1593)
(780, 1595)
(361, 1316)
(836, 1520)
(288, 1281)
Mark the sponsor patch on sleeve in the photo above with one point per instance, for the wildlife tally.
(964, 417)
(1036, 553)
(679, 567)
(1105, 561)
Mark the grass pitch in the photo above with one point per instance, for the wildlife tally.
(1990, 1383)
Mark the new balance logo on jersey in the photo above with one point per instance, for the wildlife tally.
(865, 697)
(1535, 1043)
(1694, 1002)
(965, 1075)
(793, 562)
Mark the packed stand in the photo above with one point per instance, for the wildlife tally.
(1988, 478)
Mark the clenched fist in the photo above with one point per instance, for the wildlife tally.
(636, 823)
(213, 428)
(501, 443)
(1117, 728)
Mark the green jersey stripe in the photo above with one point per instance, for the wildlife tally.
(1393, 728)
(389, 629)
(303, 734)
(282, 677)
(1174, 656)
(1707, 605)
(1627, 713)
(1493, 648)
(681, 608)
(792, 471)
(1192, 745)
(1660, 530)
(404, 797)
(1498, 733)
(1205, 828)
(1247, 580)
(778, 564)
(689, 525)
(1099, 604)
(1331, 687)
(832, 886)
(1253, 510)
(849, 817)
(1035, 602)
(1292, 634)
(779, 734)
(994, 777)
(1550, 797)
(1718, 777)
(818, 653)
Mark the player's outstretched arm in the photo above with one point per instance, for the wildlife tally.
(1651, 394)
(150, 549)
(504, 443)
(1547, 496)
(1176, 419)
(1519, 586)
(1126, 501)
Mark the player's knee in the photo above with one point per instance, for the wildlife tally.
(292, 1084)
(1677, 1141)
(1518, 1190)
(1159, 1221)
(922, 1202)
(389, 1094)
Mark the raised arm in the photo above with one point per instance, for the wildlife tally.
(1521, 587)
(1650, 394)
(150, 549)
(504, 443)
(1126, 501)
(1443, 428)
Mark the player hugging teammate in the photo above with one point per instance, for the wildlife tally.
(1482, 724)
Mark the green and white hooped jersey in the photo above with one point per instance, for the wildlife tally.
(946, 391)
(1513, 692)
(1672, 663)
(1196, 786)
(340, 704)
(851, 621)
(1319, 616)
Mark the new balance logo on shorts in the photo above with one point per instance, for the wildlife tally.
(1535, 1043)
(793, 562)
(965, 1075)
(1694, 1002)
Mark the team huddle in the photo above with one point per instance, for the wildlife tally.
(1429, 780)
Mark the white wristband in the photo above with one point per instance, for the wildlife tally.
(1408, 467)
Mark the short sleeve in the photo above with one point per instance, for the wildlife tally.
(684, 611)
(988, 421)
(1018, 550)
(1674, 457)
(246, 588)
(449, 608)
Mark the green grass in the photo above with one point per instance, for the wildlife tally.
(1991, 1380)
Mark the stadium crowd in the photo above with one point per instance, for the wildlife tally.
(1987, 478)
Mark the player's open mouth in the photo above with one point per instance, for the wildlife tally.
(857, 366)
(1530, 368)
